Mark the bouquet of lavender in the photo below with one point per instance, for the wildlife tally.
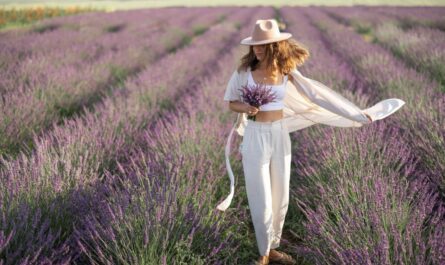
(257, 95)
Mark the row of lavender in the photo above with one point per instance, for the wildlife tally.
(420, 46)
(50, 76)
(173, 179)
(423, 121)
(46, 195)
(429, 16)
(365, 194)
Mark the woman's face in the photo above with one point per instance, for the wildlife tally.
(259, 51)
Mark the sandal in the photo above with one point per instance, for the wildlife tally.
(284, 258)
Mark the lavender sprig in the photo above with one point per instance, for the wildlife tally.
(257, 95)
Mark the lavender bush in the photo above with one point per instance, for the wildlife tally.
(421, 47)
(428, 16)
(365, 205)
(395, 79)
(77, 154)
(327, 159)
(193, 131)
(45, 87)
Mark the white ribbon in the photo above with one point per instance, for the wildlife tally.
(226, 203)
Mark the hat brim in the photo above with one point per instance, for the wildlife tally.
(249, 41)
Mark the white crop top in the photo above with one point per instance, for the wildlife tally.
(280, 91)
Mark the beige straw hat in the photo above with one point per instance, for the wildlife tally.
(265, 31)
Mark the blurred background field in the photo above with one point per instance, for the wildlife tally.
(113, 5)
(19, 13)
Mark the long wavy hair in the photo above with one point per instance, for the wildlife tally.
(281, 56)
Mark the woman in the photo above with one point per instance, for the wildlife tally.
(266, 145)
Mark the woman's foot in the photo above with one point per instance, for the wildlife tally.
(281, 257)
(262, 260)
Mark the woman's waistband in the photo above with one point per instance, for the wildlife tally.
(267, 125)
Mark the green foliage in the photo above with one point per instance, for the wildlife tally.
(11, 18)
(45, 28)
(174, 39)
(363, 28)
(183, 255)
(221, 18)
(115, 28)
(166, 104)
(238, 25)
(119, 73)
(199, 30)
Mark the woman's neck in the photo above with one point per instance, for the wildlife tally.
(263, 69)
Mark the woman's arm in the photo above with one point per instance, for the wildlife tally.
(241, 107)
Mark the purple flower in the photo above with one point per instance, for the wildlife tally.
(257, 95)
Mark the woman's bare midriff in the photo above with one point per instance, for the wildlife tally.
(269, 116)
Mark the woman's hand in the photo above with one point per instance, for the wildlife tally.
(251, 110)
(369, 117)
(242, 107)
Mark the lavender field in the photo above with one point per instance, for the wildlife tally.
(113, 126)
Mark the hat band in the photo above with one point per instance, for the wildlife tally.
(265, 35)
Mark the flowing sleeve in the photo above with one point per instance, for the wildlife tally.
(310, 102)
(329, 99)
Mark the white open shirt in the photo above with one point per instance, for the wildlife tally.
(306, 102)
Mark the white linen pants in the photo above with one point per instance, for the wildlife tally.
(266, 158)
